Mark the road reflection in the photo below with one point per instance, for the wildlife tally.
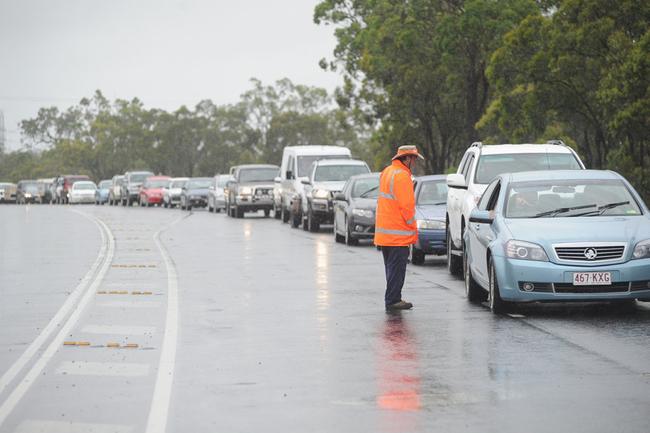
(398, 364)
(322, 288)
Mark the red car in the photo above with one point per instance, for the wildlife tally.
(151, 191)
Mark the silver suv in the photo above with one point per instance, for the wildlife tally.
(482, 163)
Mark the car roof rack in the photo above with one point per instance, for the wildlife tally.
(556, 142)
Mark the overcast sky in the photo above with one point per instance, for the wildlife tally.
(165, 52)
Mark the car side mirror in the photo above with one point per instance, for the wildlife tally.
(305, 181)
(481, 217)
(289, 174)
(456, 180)
(339, 196)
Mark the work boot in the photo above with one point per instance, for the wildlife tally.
(401, 305)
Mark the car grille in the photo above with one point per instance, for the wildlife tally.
(570, 288)
(588, 253)
(639, 285)
(537, 287)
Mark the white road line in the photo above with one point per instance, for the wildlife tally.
(36, 426)
(157, 421)
(84, 368)
(118, 329)
(21, 389)
(58, 318)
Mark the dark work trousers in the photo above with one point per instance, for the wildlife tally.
(395, 259)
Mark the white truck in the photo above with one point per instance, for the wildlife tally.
(288, 189)
(482, 163)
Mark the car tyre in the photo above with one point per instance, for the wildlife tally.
(473, 291)
(239, 213)
(454, 263)
(276, 213)
(267, 213)
(497, 305)
(312, 225)
(349, 239)
(417, 255)
(284, 214)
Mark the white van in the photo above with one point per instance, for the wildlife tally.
(289, 191)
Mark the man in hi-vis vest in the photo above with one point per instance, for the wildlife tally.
(395, 227)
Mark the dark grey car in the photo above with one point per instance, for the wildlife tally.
(354, 209)
(195, 193)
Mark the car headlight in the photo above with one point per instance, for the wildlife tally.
(642, 250)
(363, 213)
(431, 225)
(525, 251)
(195, 197)
(320, 193)
(245, 190)
(28, 195)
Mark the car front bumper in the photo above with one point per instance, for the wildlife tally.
(255, 202)
(432, 241)
(553, 282)
(362, 227)
(82, 199)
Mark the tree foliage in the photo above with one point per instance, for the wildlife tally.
(103, 138)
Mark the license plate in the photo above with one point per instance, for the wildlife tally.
(592, 278)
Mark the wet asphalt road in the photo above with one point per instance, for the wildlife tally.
(152, 320)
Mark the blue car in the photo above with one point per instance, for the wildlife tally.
(558, 236)
(101, 194)
(430, 211)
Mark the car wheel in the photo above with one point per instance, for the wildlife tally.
(276, 213)
(454, 263)
(295, 219)
(473, 291)
(284, 215)
(217, 210)
(313, 225)
(337, 237)
(349, 239)
(267, 213)
(497, 305)
(417, 255)
(239, 213)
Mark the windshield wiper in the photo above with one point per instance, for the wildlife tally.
(374, 188)
(603, 208)
(562, 210)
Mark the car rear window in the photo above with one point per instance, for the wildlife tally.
(490, 166)
(305, 162)
(337, 173)
(432, 192)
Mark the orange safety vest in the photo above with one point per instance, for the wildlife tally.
(395, 224)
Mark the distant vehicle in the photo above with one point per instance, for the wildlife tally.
(482, 163)
(27, 192)
(53, 188)
(151, 192)
(7, 192)
(288, 190)
(115, 191)
(216, 193)
(130, 192)
(327, 177)
(195, 193)
(103, 189)
(64, 184)
(251, 189)
(354, 209)
(430, 211)
(82, 191)
(172, 191)
(570, 235)
(44, 191)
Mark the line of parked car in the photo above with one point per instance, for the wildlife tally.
(519, 223)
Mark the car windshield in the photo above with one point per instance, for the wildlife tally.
(334, 173)
(84, 186)
(564, 198)
(199, 183)
(105, 184)
(30, 187)
(138, 177)
(258, 174)
(178, 184)
(367, 187)
(432, 192)
(157, 183)
(305, 162)
(490, 166)
(222, 181)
